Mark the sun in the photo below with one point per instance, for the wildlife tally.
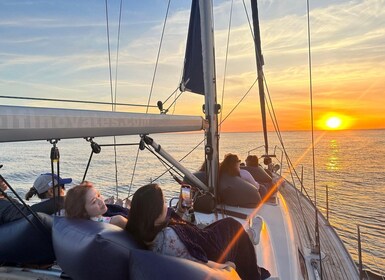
(334, 122)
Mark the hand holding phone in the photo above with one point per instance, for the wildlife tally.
(185, 196)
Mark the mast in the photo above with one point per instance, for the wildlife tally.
(211, 108)
(260, 63)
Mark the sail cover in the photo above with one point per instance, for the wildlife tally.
(192, 79)
(19, 123)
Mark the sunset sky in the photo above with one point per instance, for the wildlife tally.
(58, 49)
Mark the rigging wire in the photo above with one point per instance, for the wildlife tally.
(116, 89)
(113, 107)
(312, 137)
(288, 160)
(193, 149)
(225, 70)
(150, 94)
(109, 54)
(117, 52)
(276, 126)
(290, 164)
(133, 172)
(73, 101)
(164, 163)
(158, 55)
(222, 120)
(240, 101)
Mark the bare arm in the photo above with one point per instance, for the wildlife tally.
(119, 221)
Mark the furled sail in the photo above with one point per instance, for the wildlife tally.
(192, 79)
(27, 123)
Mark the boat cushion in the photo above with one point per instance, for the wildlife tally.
(22, 243)
(91, 250)
(259, 174)
(235, 191)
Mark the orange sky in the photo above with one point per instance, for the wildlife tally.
(47, 55)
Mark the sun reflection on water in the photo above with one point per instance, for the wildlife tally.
(333, 162)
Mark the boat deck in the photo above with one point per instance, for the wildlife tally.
(336, 261)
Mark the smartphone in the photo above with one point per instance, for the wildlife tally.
(186, 200)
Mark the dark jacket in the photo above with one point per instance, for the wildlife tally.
(10, 213)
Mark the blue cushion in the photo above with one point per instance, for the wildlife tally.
(91, 250)
(235, 191)
(22, 243)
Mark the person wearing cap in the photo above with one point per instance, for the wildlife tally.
(44, 188)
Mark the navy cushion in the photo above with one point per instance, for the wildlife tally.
(148, 265)
(258, 173)
(91, 250)
(22, 243)
(235, 191)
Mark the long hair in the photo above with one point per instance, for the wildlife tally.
(229, 165)
(146, 206)
(75, 201)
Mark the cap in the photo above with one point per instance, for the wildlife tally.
(44, 182)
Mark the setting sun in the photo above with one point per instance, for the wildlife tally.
(333, 122)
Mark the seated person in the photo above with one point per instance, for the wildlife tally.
(12, 210)
(164, 232)
(85, 202)
(236, 187)
(44, 189)
(259, 173)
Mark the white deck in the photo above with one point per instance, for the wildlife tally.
(284, 240)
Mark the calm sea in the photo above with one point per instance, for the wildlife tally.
(350, 163)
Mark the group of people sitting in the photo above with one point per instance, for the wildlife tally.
(244, 185)
(150, 222)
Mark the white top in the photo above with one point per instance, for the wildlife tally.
(101, 219)
(245, 175)
(168, 243)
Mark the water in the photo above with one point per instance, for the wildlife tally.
(350, 163)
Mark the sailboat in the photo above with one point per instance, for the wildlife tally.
(87, 250)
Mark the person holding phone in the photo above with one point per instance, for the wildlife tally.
(151, 222)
